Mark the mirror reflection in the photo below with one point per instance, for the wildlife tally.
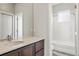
(10, 26)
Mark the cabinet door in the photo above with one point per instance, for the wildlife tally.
(39, 45)
(40, 53)
(27, 50)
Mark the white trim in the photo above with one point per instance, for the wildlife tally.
(76, 29)
(50, 28)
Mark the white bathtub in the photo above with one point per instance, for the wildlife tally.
(66, 47)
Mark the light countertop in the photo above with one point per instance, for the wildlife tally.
(6, 46)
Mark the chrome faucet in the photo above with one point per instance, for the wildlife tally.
(9, 37)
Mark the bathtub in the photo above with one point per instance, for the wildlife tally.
(63, 48)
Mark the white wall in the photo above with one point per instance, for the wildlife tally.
(41, 23)
(26, 10)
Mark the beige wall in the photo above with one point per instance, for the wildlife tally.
(8, 7)
(26, 9)
(41, 23)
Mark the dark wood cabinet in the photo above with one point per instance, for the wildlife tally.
(12, 53)
(39, 48)
(39, 45)
(40, 53)
(34, 49)
(27, 50)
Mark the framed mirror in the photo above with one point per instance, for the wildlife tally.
(10, 25)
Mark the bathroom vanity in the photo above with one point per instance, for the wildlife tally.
(27, 48)
(13, 27)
